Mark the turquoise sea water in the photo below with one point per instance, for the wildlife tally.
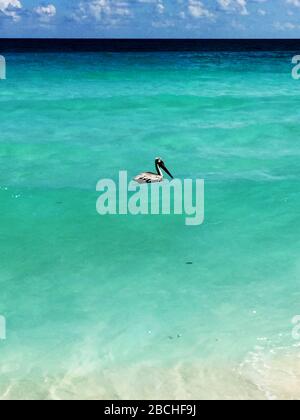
(107, 307)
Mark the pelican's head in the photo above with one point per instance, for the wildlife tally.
(159, 162)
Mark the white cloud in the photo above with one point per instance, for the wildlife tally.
(286, 26)
(10, 8)
(159, 4)
(160, 7)
(102, 9)
(198, 10)
(261, 12)
(45, 13)
(111, 12)
(295, 3)
(239, 6)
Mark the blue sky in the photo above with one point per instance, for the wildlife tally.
(150, 18)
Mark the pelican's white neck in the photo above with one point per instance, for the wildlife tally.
(158, 168)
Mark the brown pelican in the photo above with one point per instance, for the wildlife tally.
(150, 177)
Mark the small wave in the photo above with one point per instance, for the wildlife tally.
(185, 381)
(275, 372)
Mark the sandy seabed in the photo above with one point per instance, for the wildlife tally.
(257, 378)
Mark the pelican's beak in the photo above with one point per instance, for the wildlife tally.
(166, 170)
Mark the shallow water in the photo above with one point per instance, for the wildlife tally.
(107, 307)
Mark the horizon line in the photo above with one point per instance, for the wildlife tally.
(148, 44)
